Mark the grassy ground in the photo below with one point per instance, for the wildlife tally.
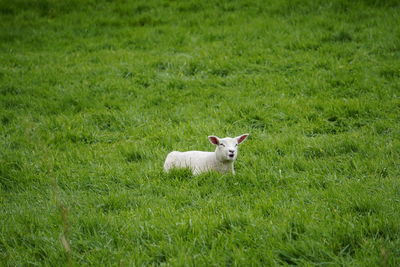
(94, 94)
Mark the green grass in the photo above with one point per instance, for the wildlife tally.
(94, 94)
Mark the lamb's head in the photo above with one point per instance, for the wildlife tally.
(227, 148)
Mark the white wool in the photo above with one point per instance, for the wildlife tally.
(221, 160)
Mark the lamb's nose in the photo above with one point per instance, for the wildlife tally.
(231, 151)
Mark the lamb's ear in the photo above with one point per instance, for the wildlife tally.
(214, 140)
(240, 139)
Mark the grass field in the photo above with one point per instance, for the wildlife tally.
(94, 94)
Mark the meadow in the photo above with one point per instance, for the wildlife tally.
(94, 94)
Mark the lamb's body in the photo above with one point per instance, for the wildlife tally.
(197, 162)
(221, 160)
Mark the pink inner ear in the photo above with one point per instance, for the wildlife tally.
(213, 140)
(242, 138)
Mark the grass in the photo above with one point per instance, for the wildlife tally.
(94, 94)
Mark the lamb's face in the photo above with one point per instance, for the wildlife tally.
(227, 148)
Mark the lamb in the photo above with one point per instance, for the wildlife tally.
(221, 160)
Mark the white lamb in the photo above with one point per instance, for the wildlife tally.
(200, 161)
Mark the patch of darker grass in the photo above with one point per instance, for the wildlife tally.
(81, 138)
(7, 118)
(71, 104)
(385, 229)
(44, 8)
(12, 175)
(229, 224)
(346, 147)
(146, 21)
(382, 172)
(221, 72)
(299, 166)
(192, 68)
(142, 8)
(365, 207)
(117, 202)
(344, 83)
(319, 183)
(176, 84)
(329, 127)
(134, 155)
(212, 37)
(280, 152)
(339, 37)
(142, 81)
(190, 7)
(346, 242)
(106, 121)
(381, 4)
(266, 208)
(304, 46)
(162, 66)
(127, 74)
(390, 73)
(179, 174)
(91, 226)
(10, 90)
(294, 230)
(159, 258)
(289, 256)
(257, 122)
(314, 152)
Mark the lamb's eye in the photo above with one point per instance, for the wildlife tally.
(221, 144)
